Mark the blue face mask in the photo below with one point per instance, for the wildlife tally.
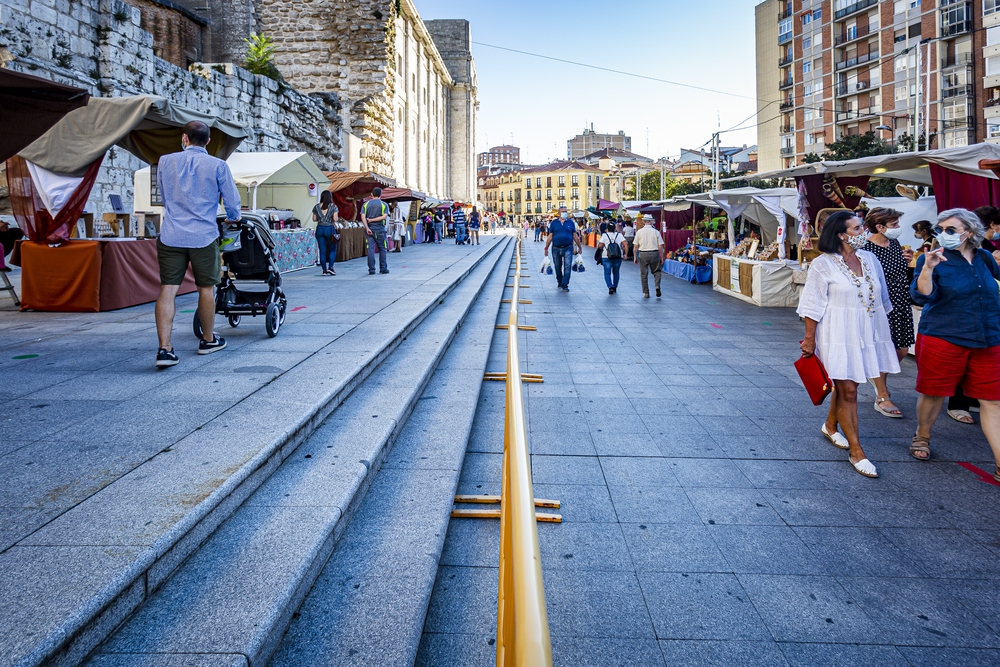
(951, 241)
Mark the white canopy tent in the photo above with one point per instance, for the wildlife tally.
(291, 181)
(769, 209)
(906, 167)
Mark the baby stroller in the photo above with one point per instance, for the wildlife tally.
(248, 263)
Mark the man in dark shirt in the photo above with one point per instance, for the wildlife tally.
(373, 215)
(564, 240)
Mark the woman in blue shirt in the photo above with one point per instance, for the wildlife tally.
(958, 342)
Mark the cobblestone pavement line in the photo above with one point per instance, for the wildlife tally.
(706, 520)
(105, 458)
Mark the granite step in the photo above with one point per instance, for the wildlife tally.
(234, 597)
(369, 603)
(68, 585)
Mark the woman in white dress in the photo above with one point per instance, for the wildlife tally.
(844, 303)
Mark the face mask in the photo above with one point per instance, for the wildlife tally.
(950, 241)
(892, 233)
(564, 215)
(856, 242)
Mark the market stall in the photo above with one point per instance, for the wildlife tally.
(765, 284)
(350, 189)
(50, 182)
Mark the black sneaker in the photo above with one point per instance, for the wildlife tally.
(386, 271)
(166, 358)
(218, 343)
(371, 273)
(658, 293)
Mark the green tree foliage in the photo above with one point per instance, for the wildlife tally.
(260, 56)
(853, 146)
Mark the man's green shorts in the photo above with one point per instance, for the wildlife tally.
(174, 262)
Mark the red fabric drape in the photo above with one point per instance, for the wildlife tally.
(953, 189)
(32, 216)
(682, 219)
(817, 200)
(346, 208)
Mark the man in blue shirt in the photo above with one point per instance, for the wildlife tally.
(459, 217)
(564, 240)
(373, 215)
(191, 183)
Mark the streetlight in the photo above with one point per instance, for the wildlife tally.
(886, 128)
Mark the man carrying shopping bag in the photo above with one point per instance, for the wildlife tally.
(565, 242)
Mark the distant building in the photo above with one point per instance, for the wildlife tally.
(500, 156)
(590, 141)
(618, 155)
(539, 191)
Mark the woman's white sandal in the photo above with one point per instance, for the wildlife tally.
(835, 438)
(865, 467)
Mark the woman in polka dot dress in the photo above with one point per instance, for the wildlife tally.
(883, 223)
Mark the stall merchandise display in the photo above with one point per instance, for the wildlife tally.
(768, 253)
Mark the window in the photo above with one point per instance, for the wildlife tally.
(810, 140)
(574, 180)
(913, 30)
(990, 6)
(993, 65)
(590, 178)
(575, 194)
(901, 93)
(562, 180)
(807, 67)
(548, 181)
(818, 66)
(597, 181)
(527, 195)
(899, 37)
(807, 42)
(818, 14)
(807, 89)
(785, 31)
(807, 18)
(993, 35)
(562, 193)
(548, 194)
(900, 63)
(807, 114)
(993, 127)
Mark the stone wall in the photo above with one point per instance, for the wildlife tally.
(99, 45)
(177, 33)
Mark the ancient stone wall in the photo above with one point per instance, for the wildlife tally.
(99, 45)
(177, 34)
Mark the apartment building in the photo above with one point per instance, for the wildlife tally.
(541, 190)
(590, 141)
(896, 67)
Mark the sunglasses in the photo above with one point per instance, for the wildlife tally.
(951, 231)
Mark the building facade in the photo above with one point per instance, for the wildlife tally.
(540, 191)
(590, 141)
(901, 68)
(500, 156)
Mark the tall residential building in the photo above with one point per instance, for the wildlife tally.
(896, 67)
(768, 95)
(590, 141)
(500, 156)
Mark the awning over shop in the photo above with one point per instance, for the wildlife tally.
(145, 125)
(906, 167)
(349, 188)
(402, 194)
(250, 169)
(30, 106)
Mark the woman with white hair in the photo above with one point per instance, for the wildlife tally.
(958, 341)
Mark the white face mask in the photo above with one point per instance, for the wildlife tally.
(564, 215)
(892, 233)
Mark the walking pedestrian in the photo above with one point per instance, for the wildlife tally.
(458, 215)
(398, 227)
(883, 225)
(373, 217)
(474, 223)
(628, 231)
(564, 239)
(428, 227)
(538, 231)
(648, 244)
(326, 215)
(611, 244)
(439, 222)
(958, 342)
(191, 183)
(845, 304)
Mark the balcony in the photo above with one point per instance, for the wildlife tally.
(956, 91)
(787, 104)
(788, 150)
(785, 61)
(784, 38)
(844, 89)
(787, 82)
(851, 36)
(854, 62)
(787, 129)
(957, 60)
(851, 9)
(854, 115)
(956, 19)
(784, 14)
(958, 123)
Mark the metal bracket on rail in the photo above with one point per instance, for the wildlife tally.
(542, 517)
(524, 301)
(530, 378)
(521, 327)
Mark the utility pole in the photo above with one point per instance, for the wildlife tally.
(916, 109)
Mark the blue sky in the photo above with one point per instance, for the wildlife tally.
(708, 43)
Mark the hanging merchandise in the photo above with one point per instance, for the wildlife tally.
(805, 239)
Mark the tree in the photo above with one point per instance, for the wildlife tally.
(810, 158)
(851, 146)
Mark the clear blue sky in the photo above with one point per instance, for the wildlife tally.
(708, 43)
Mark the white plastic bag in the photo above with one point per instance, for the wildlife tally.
(578, 264)
(546, 266)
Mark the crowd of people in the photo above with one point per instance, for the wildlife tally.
(858, 321)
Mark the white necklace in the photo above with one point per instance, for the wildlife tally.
(869, 302)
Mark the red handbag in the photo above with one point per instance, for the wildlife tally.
(814, 377)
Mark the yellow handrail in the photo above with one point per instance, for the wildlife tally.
(522, 622)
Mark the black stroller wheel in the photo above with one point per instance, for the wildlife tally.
(196, 325)
(272, 320)
(234, 321)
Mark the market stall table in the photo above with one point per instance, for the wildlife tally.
(90, 275)
(294, 248)
(766, 284)
(688, 272)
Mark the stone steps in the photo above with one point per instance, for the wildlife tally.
(124, 542)
(232, 600)
(369, 603)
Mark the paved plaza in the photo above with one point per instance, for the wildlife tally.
(705, 519)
